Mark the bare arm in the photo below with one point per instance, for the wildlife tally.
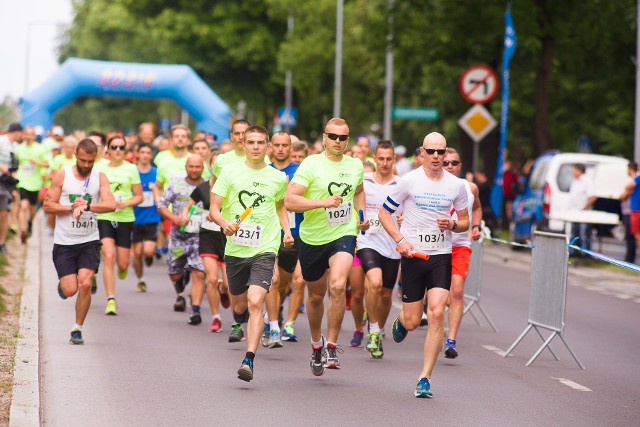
(476, 213)
(52, 199)
(107, 202)
(386, 220)
(135, 200)
(295, 201)
(158, 189)
(215, 215)
(359, 203)
(283, 216)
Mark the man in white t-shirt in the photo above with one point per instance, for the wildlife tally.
(426, 196)
(581, 197)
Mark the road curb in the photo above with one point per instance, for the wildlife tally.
(25, 402)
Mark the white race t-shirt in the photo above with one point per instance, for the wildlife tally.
(462, 239)
(580, 191)
(376, 237)
(423, 201)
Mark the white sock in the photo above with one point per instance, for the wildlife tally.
(111, 297)
(274, 326)
(316, 344)
(374, 327)
(216, 316)
(141, 279)
(77, 327)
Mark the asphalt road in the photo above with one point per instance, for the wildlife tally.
(147, 366)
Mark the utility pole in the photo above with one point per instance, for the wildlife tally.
(388, 89)
(337, 95)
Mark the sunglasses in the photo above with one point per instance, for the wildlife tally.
(451, 162)
(334, 136)
(116, 147)
(432, 151)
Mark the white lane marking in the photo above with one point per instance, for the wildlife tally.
(496, 350)
(572, 384)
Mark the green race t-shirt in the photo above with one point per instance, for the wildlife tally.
(243, 187)
(121, 179)
(323, 178)
(30, 175)
(61, 162)
(226, 159)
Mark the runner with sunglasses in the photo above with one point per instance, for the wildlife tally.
(115, 227)
(426, 195)
(461, 252)
(328, 188)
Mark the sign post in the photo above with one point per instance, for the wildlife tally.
(477, 123)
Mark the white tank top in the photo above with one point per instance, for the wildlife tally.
(68, 231)
(462, 239)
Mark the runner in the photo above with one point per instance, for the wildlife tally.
(77, 193)
(62, 161)
(327, 187)
(183, 242)
(115, 227)
(251, 249)
(145, 226)
(237, 155)
(376, 249)
(461, 253)
(288, 271)
(426, 195)
(211, 249)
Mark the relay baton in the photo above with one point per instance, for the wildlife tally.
(242, 217)
(420, 255)
(361, 215)
(191, 211)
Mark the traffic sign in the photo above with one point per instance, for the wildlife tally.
(478, 84)
(415, 113)
(477, 122)
(287, 117)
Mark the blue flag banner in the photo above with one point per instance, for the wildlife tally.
(509, 50)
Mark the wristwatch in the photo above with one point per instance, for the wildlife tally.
(455, 225)
(477, 226)
(88, 207)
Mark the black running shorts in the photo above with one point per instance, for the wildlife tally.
(419, 276)
(69, 259)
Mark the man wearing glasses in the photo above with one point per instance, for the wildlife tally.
(426, 196)
(327, 187)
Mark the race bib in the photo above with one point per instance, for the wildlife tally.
(210, 225)
(248, 235)
(292, 219)
(194, 222)
(147, 199)
(86, 225)
(27, 167)
(340, 215)
(375, 227)
(432, 239)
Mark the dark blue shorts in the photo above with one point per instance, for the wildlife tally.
(314, 260)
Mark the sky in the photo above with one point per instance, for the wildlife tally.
(33, 25)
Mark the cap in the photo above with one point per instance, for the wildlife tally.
(400, 150)
(15, 127)
(57, 131)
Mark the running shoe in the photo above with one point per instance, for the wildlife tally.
(94, 285)
(111, 307)
(122, 274)
(23, 237)
(237, 334)
(423, 389)
(365, 320)
(379, 352)
(245, 373)
(450, 351)
(179, 285)
(180, 304)
(142, 286)
(216, 325)
(399, 332)
(225, 302)
(301, 309)
(356, 341)
(318, 359)
(62, 295)
(148, 260)
(274, 340)
(424, 321)
(382, 334)
(158, 253)
(76, 337)
(373, 342)
(266, 335)
(13, 229)
(331, 351)
(195, 318)
(289, 333)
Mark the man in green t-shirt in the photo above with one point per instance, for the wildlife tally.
(237, 155)
(249, 196)
(327, 187)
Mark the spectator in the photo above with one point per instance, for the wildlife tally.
(581, 197)
(632, 239)
(8, 165)
(484, 190)
(402, 164)
(509, 187)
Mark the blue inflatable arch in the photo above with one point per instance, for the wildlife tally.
(84, 77)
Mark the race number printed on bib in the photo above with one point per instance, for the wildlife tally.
(147, 199)
(292, 219)
(28, 167)
(86, 225)
(375, 227)
(194, 222)
(340, 215)
(248, 235)
(209, 225)
(431, 239)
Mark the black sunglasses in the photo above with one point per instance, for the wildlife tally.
(117, 147)
(431, 151)
(451, 162)
(334, 136)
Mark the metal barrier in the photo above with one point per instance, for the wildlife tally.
(473, 284)
(548, 292)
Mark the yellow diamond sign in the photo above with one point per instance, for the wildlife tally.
(477, 122)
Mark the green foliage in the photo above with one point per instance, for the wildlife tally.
(242, 50)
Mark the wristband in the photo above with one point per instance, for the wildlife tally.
(71, 207)
(399, 241)
(476, 226)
